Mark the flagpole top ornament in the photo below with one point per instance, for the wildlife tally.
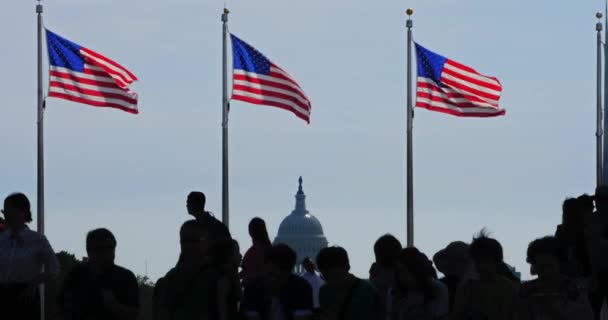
(226, 11)
(599, 15)
(409, 12)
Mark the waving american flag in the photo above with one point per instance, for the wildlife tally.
(449, 87)
(82, 75)
(259, 81)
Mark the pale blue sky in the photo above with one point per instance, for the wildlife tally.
(132, 173)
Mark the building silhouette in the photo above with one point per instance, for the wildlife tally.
(302, 231)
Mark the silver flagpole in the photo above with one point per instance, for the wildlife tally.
(410, 120)
(605, 120)
(40, 200)
(600, 132)
(225, 110)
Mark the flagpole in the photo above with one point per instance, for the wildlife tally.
(40, 120)
(600, 132)
(410, 119)
(605, 119)
(225, 110)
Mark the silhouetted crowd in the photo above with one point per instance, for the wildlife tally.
(212, 281)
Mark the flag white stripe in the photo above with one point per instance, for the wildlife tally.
(471, 75)
(93, 67)
(494, 93)
(82, 75)
(458, 91)
(121, 73)
(258, 86)
(455, 108)
(287, 103)
(93, 98)
(284, 74)
(116, 90)
(455, 100)
(269, 78)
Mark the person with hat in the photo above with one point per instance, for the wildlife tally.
(23, 254)
(455, 263)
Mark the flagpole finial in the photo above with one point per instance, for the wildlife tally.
(409, 12)
(599, 15)
(226, 11)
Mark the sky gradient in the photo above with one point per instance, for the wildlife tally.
(131, 173)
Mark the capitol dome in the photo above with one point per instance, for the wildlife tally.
(302, 231)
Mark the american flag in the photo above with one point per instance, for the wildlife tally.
(82, 75)
(259, 81)
(449, 87)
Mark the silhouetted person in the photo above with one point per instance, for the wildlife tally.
(279, 294)
(416, 293)
(382, 272)
(344, 296)
(253, 261)
(314, 279)
(185, 291)
(23, 252)
(492, 296)
(570, 234)
(214, 229)
(226, 287)
(98, 288)
(455, 263)
(597, 240)
(552, 296)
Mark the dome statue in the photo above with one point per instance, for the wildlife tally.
(302, 231)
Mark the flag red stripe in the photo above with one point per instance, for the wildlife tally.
(460, 114)
(450, 101)
(100, 57)
(118, 78)
(92, 103)
(283, 76)
(83, 80)
(270, 84)
(471, 80)
(469, 69)
(453, 94)
(470, 90)
(270, 94)
(93, 92)
(273, 104)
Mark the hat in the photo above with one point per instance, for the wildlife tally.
(453, 259)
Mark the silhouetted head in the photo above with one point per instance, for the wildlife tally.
(601, 199)
(279, 262)
(193, 242)
(543, 257)
(17, 211)
(487, 255)
(453, 260)
(308, 265)
(101, 249)
(386, 250)
(414, 272)
(334, 264)
(258, 232)
(196, 203)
